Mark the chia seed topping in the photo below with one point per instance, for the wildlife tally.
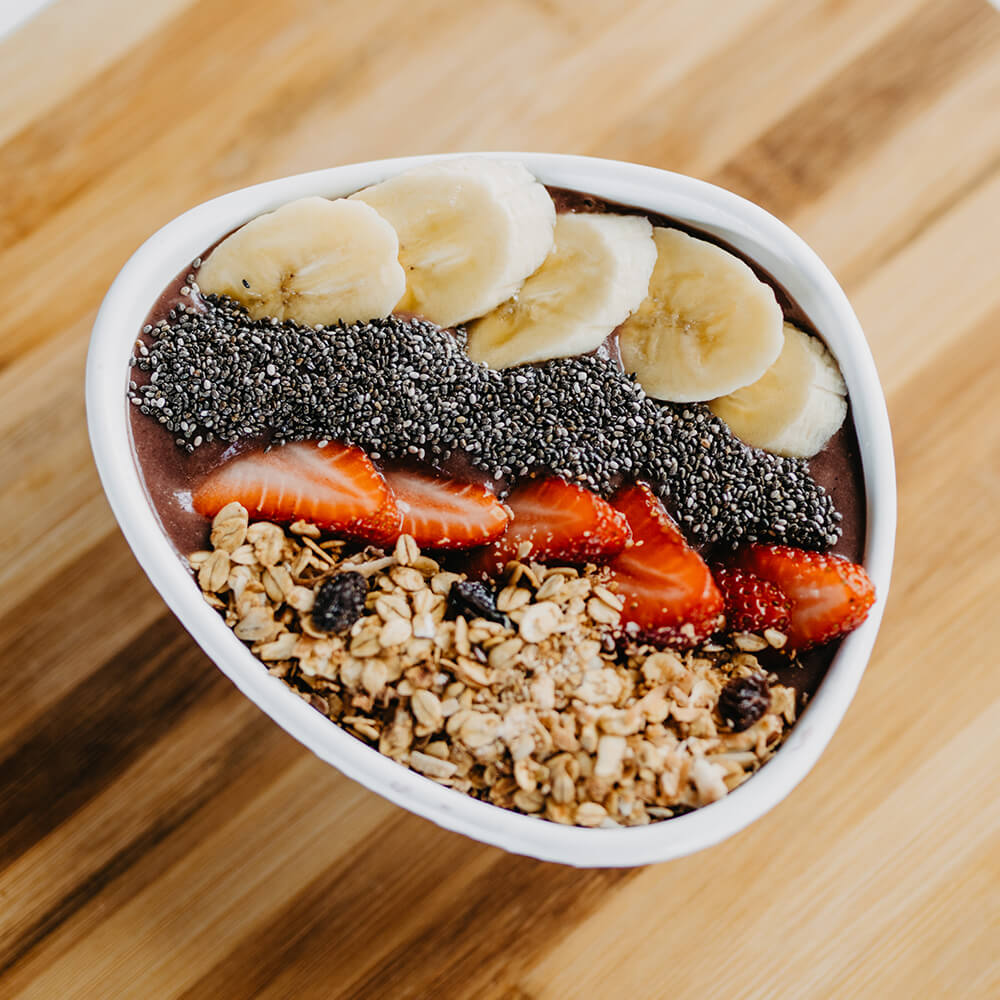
(406, 389)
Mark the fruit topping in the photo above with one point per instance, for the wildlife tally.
(470, 232)
(751, 604)
(403, 389)
(334, 486)
(555, 521)
(473, 599)
(444, 513)
(796, 406)
(670, 596)
(340, 602)
(708, 326)
(744, 701)
(597, 273)
(312, 261)
(829, 595)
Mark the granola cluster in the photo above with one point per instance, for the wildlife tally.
(542, 711)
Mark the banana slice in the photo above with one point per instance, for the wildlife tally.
(796, 406)
(470, 232)
(313, 261)
(597, 273)
(708, 326)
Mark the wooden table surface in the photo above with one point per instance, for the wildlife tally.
(160, 837)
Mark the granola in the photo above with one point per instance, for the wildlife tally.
(546, 713)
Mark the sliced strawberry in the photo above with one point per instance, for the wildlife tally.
(446, 513)
(563, 523)
(750, 603)
(335, 487)
(829, 595)
(670, 596)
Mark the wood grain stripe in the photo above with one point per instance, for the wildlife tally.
(89, 736)
(525, 905)
(74, 620)
(205, 770)
(72, 42)
(329, 921)
(452, 885)
(239, 862)
(49, 490)
(695, 125)
(911, 323)
(230, 753)
(795, 161)
(881, 205)
(78, 142)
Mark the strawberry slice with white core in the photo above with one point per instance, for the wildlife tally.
(670, 596)
(446, 513)
(830, 596)
(334, 486)
(555, 522)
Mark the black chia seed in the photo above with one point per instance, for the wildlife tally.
(401, 388)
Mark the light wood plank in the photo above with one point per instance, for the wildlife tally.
(65, 46)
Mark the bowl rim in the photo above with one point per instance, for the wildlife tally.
(745, 225)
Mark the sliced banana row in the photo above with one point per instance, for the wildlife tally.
(478, 241)
(796, 406)
(707, 327)
(596, 275)
(448, 241)
(312, 260)
(711, 330)
(470, 232)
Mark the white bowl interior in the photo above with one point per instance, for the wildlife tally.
(735, 220)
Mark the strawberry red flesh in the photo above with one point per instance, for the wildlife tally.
(670, 596)
(446, 513)
(562, 522)
(829, 595)
(336, 487)
(750, 603)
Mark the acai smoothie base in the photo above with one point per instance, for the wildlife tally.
(557, 592)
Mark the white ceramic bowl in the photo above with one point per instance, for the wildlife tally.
(742, 224)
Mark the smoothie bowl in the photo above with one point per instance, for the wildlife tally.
(551, 498)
